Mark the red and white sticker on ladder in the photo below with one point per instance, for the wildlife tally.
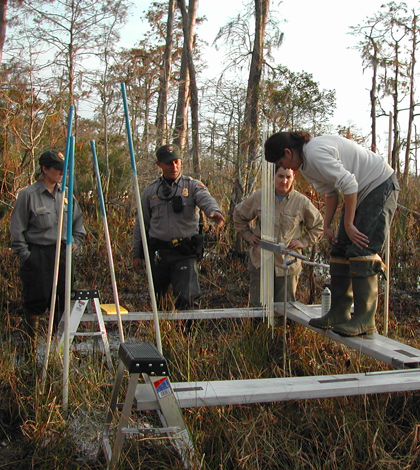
(163, 388)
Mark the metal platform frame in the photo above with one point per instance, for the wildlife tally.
(245, 392)
(146, 396)
(405, 359)
(386, 350)
(144, 359)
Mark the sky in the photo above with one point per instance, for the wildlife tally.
(316, 41)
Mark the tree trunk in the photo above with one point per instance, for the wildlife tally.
(412, 102)
(395, 98)
(3, 22)
(161, 118)
(188, 41)
(250, 131)
(373, 93)
(181, 120)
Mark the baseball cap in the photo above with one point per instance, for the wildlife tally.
(168, 153)
(52, 158)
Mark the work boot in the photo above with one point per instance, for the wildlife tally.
(364, 274)
(341, 296)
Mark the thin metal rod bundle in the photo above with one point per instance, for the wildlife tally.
(387, 241)
(57, 252)
(267, 234)
(141, 222)
(107, 240)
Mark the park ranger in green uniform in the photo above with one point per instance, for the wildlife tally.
(33, 228)
(170, 210)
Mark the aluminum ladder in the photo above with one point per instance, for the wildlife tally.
(145, 359)
(83, 299)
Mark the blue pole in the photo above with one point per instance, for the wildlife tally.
(66, 357)
(128, 127)
(68, 143)
(141, 222)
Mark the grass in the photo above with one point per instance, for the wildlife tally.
(375, 432)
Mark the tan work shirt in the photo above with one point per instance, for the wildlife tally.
(296, 218)
(34, 219)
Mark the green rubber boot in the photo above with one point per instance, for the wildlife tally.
(364, 273)
(341, 296)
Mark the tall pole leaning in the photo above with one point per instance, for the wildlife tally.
(69, 246)
(107, 240)
(57, 251)
(141, 221)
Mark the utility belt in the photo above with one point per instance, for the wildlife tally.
(184, 245)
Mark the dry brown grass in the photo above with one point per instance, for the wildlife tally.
(378, 432)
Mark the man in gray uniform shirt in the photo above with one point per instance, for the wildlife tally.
(170, 210)
(33, 228)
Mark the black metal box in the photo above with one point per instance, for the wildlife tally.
(84, 294)
(143, 358)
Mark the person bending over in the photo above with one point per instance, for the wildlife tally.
(334, 164)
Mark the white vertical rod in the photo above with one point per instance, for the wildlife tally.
(387, 244)
(108, 240)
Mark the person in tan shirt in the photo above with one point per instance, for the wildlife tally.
(298, 224)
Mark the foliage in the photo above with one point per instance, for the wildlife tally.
(388, 43)
(378, 431)
(295, 101)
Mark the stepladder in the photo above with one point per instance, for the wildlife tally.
(143, 359)
(82, 301)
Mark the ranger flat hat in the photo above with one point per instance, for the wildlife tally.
(52, 158)
(168, 153)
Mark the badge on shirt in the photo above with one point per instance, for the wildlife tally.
(185, 192)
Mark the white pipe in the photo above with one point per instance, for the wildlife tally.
(387, 244)
(57, 253)
(108, 241)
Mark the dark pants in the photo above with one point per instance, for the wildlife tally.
(37, 274)
(179, 270)
(279, 284)
(373, 218)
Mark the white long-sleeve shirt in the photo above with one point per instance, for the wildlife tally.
(332, 164)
